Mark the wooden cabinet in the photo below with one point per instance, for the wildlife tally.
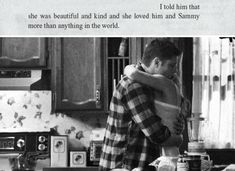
(23, 52)
(78, 74)
(86, 70)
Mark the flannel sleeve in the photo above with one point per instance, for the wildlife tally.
(142, 110)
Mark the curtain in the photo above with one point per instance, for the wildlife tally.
(213, 90)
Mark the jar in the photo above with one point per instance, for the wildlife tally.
(182, 164)
(194, 162)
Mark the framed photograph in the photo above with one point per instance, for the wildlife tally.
(78, 159)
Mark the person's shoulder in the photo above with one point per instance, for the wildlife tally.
(133, 88)
(127, 83)
(158, 75)
(162, 77)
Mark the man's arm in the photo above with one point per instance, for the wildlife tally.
(143, 114)
(156, 81)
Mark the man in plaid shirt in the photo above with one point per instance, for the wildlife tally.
(134, 131)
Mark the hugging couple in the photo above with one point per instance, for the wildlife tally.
(147, 112)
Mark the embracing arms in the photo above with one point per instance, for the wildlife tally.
(156, 81)
(148, 120)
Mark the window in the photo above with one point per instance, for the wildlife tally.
(213, 90)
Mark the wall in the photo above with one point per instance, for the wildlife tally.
(31, 111)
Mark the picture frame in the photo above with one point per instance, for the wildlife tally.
(78, 159)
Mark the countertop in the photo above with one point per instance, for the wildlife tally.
(91, 168)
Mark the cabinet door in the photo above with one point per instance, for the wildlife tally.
(78, 74)
(23, 52)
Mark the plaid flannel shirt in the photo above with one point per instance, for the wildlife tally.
(133, 130)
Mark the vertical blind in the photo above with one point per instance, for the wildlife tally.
(213, 90)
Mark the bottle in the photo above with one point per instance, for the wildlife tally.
(123, 47)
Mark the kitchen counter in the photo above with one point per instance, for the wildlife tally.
(89, 168)
(71, 169)
(218, 167)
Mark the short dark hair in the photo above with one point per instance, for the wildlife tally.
(161, 48)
